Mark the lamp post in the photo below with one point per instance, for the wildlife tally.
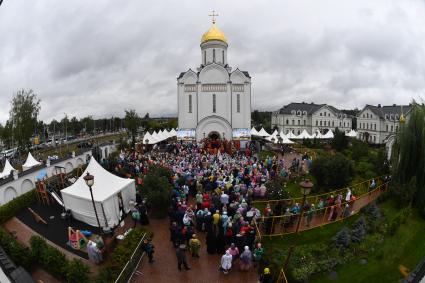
(306, 187)
(89, 179)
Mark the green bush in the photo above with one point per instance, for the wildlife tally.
(11, 208)
(77, 272)
(50, 258)
(157, 189)
(115, 263)
(19, 254)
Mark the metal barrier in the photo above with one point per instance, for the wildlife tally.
(356, 189)
(286, 224)
(131, 265)
(282, 277)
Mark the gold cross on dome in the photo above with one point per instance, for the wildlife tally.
(213, 15)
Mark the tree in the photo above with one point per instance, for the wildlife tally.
(332, 171)
(340, 140)
(157, 188)
(131, 121)
(25, 107)
(408, 156)
(342, 239)
(359, 230)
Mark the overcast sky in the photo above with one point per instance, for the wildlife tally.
(101, 57)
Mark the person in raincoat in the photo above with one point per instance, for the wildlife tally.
(194, 246)
(226, 262)
(245, 260)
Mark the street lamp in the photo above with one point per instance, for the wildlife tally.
(89, 179)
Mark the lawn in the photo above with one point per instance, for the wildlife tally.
(406, 247)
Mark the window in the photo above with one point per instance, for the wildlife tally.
(344, 124)
(205, 57)
(374, 139)
(367, 115)
(214, 103)
(214, 55)
(340, 123)
(396, 128)
(287, 122)
(238, 103)
(320, 123)
(392, 128)
(222, 57)
(374, 127)
(190, 103)
(386, 127)
(320, 113)
(329, 114)
(305, 122)
(333, 124)
(299, 132)
(299, 122)
(329, 123)
(293, 122)
(317, 123)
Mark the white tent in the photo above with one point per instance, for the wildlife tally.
(285, 140)
(253, 132)
(351, 134)
(291, 135)
(304, 135)
(329, 135)
(263, 133)
(173, 132)
(106, 188)
(7, 169)
(318, 135)
(30, 162)
(166, 134)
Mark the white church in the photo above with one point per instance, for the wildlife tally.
(214, 101)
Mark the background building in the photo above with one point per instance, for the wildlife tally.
(309, 116)
(376, 124)
(214, 101)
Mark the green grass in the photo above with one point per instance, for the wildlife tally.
(406, 247)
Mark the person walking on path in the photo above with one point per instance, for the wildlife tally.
(226, 262)
(148, 247)
(194, 246)
(265, 277)
(246, 259)
(181, 257)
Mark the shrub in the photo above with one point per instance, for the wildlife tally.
(49, 257)
(332, 171)
(275, 189)
(18, 253)
(340, 140)
(115, 263)
(359, 230)
(77, 272)
(11, 208)
(342, 239)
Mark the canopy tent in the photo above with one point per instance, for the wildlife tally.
(106, 190)
(30, 162)
(318, 135)
(329, 135)
(7, 169)
(166, 134)
(263, 133)
(351, 134)
(291, 135)
(304, 135)
(173, 132)
(285, 139)
(253, 132)
(273, 138)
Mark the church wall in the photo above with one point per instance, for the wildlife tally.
(186, 120)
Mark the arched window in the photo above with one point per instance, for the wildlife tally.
(287, 122)
(320, 123)
(317, 123)
(214, 55)
(238, 103)
(214, 103)
(305, 122)
(222, 56)
(293, 122)
(190, 103)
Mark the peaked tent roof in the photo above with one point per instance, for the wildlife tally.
(304, 135)
(291, 135)
(263, 133)
(253, 132)
(105, 184)
(351, 134)
(7, 169)
(30, 162)
(329, 135)
(173, 132)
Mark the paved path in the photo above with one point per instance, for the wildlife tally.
(204, 269)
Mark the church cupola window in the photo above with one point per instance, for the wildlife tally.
(222, 56)
(214, 55)
(205, 57)
(214, 103)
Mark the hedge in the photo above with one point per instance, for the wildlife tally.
(13, 207)
(55, 262)
(18, 253)
(116, 262)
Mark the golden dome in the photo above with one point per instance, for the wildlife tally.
(402, 119)
(213, 34)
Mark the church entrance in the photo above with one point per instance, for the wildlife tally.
(214, 136)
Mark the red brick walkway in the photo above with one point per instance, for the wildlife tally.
(204, 269)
